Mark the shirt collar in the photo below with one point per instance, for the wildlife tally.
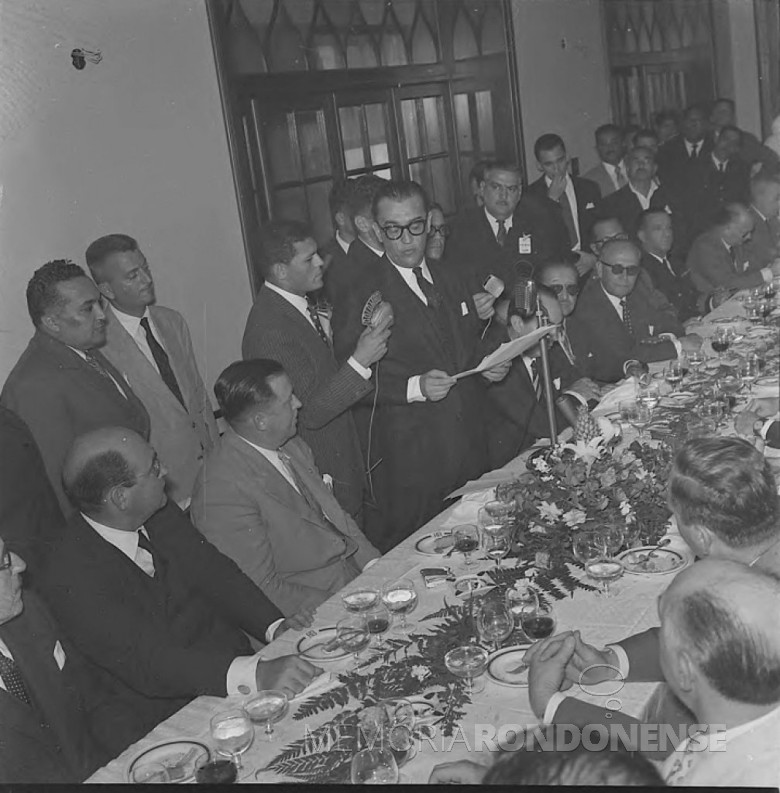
(653, 188)
(271, 454)
(378, 251)
(130, 323)
(689, 146)
(494, 221)
(718, 162)
(612, 299)
(758, 212)
(343, 244)
(611, 169)
(294, 300)
(125, 541)
(407, 273)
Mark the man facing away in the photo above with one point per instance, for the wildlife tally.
(160, 615)
(63, 385)
(285, 326)
(261, 500)
(151, 346)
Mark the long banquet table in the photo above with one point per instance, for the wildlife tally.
(600, 620)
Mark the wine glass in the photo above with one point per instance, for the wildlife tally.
(638, 415)
(720, 342)
(400, 598)
(495, 546)
(749, 370)
(765, 306)
(753, 310)
(729, 384)
(375, 766)
(648, 395)
(612, 537)
(360, 601)
(539, 624)
(232, 733)
(711, 411)
(496, 516)
(267, 708)
(353, 635)
(494, 622)
(378, 620)
(605, 571)
(521, 599)
(696, 359)
(468, 662)
(674, 374)
(466, 541)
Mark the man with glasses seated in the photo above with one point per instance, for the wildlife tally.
(562, 278)
(620, 319)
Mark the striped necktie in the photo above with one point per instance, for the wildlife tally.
(311, 308)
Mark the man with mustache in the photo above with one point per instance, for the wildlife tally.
(62, 385)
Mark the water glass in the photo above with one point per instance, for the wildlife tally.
(521, 599)
(496, 546)
(466, 541)
(469, 663)
(496, 515)
(400, 598)
(374, 767)
(649, 395)
(360, 601)
(353, 634)
(749, 370)
(494, 622)
(267, 708)
(232, 733)
(696, 359)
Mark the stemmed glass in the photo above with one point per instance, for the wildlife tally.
(613, 537)
(590, 549)
(267, 708)
(638, 414)
(360, 601)
(539, 624)
(521, 599)
(400, 598)
(378, 620)
(765, 306)
(375, 766)
(696, 359)
(648, 395)
(232, 733)
(496, 546)
(494, 622)
(729, 385)
(749, 370)
(674, 374)
(466, 541)
(353, 634)
(468, 662)
(720, 342)
(496, 515)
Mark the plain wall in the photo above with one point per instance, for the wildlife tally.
(744, 65)
(563, 74)
(135, 144)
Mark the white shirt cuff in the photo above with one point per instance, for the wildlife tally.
(242, 675)
(270, 632)
(673, 339)
(414, 390)
(579, 397)
(371, 563)
(359, 368)
(552, 707)
(621, 655)
(767, 275)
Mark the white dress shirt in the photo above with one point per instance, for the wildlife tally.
(644, 200)
(272, 455)
(689, 146)
(572, 196)
(133, 326)
(615, 302)
(664, 260)
(494, 223)
(300, 303)
(241, 675)
(343, 244)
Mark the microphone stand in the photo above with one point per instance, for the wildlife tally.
(544, 345)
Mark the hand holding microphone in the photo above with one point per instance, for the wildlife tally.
(377, 316)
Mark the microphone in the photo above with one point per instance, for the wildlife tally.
(375, 310)
(526, 297)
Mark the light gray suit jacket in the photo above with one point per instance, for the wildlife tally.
(599, 175)
(245, 507)
(180, 437)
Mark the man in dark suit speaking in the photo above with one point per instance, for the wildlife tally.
(160, 615)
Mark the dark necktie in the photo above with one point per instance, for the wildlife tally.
(733, 255)
(668, 266)
(12, 679)
(95, 360)
(722, 167)
(502, 232)
(694, 151)
(536, 379)
(622, 179)
(568, 218)
(158, 564)
(427, 288)
(162, 361)
(311, 308)
(626, 316)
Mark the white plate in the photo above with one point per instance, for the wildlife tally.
(501, 664)
(427, 545)
(170, 753)
(664, 561)
(311, 645)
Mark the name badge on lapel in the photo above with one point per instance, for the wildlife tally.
(59, 655)
(524, 244)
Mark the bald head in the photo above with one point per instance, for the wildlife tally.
(725, 616)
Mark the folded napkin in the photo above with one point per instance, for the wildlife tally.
(320, 684)
(611, 401)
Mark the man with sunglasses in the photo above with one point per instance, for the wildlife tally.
(562, 278)
(620, 319)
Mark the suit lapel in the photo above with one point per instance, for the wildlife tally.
(287, 310)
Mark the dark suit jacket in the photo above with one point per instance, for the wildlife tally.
(588, 195)
(675, 286)
(152, 644)
(345, 272)
(473, 252)
(253, 515)
(29, 512)
(625, 206)
(600, 340)
(59, 396)
(275, 329)
(421, 451)
(710, 266)
(764, 246)
(707, 190)
(773, 435)
(49, 740)
(675, 167)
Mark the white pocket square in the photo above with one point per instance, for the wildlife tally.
(464, 309)
(59, 655)
(590, 205)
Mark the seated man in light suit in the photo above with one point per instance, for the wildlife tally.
(720, 652)
(260, 499)
(152, 348)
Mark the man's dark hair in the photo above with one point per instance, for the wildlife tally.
(477, 172)
(646, 132)
(361, 199)
(340, 194)
(646, 214)
(548, 142)
(42, 292)
(605, 129)
(736, 660)
(501, 165)
(576, 768)
(277, 242)
(696, 107)
(401, 190)
(730, 128)
(727, 486)
(245, 385)
(542, 270)
(730, 213)
(722, 100)
(88, 488)
(666, 115)
(99, 250)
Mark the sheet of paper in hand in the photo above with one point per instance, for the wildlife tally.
(509, 350)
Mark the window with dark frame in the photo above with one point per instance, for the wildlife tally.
(319, 90)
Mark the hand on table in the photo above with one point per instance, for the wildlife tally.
(461, 772)
(547, 672)
(483, 302)
(303, 619)
(497, 373)
(436, 384)
(290, 674)
(589, 665)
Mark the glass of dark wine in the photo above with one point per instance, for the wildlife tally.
(466, 541)
(539, 624)
(720, 342)
(378, 620)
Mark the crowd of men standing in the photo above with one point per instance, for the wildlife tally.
(345, 424)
